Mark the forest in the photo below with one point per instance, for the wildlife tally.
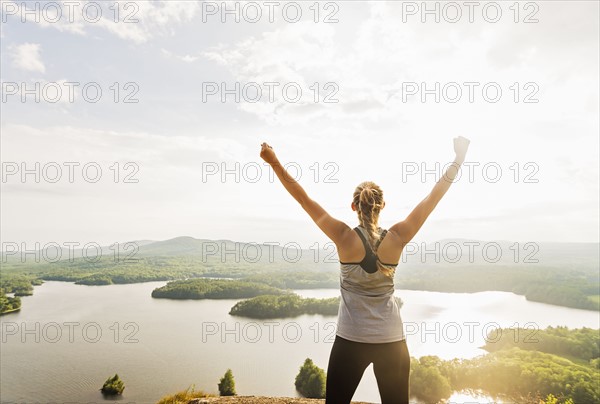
(213, 289)
(19, 285)
(576, 288)
(9, 304)
(581, 345)
(523, 365)
(290, 305)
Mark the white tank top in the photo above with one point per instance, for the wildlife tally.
(369, 311)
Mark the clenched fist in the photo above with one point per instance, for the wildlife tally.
(267, 153)
(461, 144)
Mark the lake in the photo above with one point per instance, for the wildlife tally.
(68, 339)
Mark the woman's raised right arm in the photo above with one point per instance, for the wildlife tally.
(405, 230)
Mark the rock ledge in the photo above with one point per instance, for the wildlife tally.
(260, 400)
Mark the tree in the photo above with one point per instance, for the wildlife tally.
(550, 399)
(113, 385)
(227, 384)
(311, 380)
(427, 383)
(8, 304)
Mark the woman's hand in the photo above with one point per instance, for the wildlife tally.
(461, 144)
(267, 153)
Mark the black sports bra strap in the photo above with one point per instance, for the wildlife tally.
(369, 262)
(383, 233)
(368, 248)
(366, 243)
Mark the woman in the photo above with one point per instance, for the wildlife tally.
(370, 328)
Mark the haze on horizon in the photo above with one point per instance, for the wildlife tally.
(172, 142)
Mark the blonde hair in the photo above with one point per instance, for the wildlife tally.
(368, 201)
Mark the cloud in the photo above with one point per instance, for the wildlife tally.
(60, 143)
(51, 92)
(135, 21)
(27, 57)
(142, 21)
(371, 62)
(186, 58)
(48, 16)
(302, 56)
(560, 36)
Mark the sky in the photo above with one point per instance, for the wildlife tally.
(149, 118)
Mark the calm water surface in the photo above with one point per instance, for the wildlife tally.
(69, 338)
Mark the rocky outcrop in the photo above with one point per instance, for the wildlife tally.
(259, 400)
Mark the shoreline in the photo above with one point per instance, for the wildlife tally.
(597, 309)
(9, 311)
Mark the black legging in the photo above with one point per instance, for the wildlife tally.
(348, 361)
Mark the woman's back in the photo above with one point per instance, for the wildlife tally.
(369, 311)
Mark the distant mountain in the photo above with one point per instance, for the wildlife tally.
(454, 252)
(551, 254)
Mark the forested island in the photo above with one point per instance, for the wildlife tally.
(19, 285)
(9, 304)
(290, 305)
(213, 289)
